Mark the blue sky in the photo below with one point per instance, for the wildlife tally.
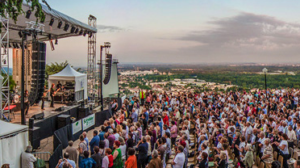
(191, 31)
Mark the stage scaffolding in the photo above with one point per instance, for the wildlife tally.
(4, 65)
(91, 62)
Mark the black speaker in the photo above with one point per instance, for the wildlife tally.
(63, 120)
(38, 116)
(108, 62)
(31, 123)
(83, 112)
(38, 72)
(34, 137)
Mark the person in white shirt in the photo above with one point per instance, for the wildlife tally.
(261, 142)
(248, 132)
(283, 148)
(27, 158)
(291, 135)
(179, 158)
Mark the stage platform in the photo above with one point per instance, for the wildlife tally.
(36, 109)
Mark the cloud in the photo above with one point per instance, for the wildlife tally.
(249, 30)
(104, 28)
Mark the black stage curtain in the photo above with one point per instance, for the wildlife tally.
(101, 117)
(62, 136)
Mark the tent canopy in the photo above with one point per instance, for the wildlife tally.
(70, 74)
(67, 72)
(55, 32)
(9, 128)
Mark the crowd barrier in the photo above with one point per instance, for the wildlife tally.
(49, 125)
(65, 134)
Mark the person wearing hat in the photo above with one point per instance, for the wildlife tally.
(27, 158)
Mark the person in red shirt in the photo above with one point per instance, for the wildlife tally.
(165, 119)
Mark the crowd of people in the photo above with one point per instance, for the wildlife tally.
(162, 129)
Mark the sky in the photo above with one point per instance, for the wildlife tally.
(190, 31)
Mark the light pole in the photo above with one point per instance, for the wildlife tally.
(106, 45)
(265, 70)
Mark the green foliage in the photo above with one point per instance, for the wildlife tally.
(243, 80)
(14, 9)
(141, 86)
(12, 83)
(54, 68)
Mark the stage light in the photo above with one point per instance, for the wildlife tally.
(56, 41)
(59, 24)
(51, 22)
(20, 34)
(66, 27)
(28, 13)
(76, 30)
(85, 32)
(90, 34)
(72, 29)
(81, 32)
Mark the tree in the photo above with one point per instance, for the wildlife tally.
(12, 83)
(54, 68)
(14, 9)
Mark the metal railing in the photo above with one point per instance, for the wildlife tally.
(45, 156)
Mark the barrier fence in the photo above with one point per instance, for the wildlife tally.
(73, 131)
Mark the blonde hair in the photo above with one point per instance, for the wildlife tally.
(119, 128)
(223, 155)
(148, 138)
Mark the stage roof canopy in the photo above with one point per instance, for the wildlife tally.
(54, 31)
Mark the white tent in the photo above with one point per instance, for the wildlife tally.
(13, 141)
(70, 74)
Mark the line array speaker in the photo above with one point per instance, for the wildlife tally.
(38, 71)
(108, 62)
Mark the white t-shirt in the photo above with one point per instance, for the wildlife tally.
(285, 150)
(242, 145)
(262, 141)
(179, 160)
(105, 162)
(27, 160)
(116, 136)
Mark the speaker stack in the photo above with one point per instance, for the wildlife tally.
(63, 120)
(108, 62)
(38, 71)
(34, 137)
(83, 112)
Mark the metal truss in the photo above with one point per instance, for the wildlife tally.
(91, 61)
(4, 65)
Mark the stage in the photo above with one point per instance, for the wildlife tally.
(35, 109)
